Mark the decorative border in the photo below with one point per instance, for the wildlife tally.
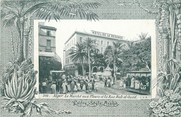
(117, 13)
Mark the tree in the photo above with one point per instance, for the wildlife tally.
(89, 45)
(142, 52)
(113, 54)
(19, 13)
(98, 58)
(46, 64)
(138, 56)
(78, 55)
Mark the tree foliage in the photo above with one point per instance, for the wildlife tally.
(78, 54)
(97, 58)
(130, 56)
(113, 53)
(81, 53)
(138, 56)
(46, 64)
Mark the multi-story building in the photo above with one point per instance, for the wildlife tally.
(47, 43)
(101, 39)
(46, 39)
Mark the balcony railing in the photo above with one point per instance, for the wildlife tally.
(48, 50)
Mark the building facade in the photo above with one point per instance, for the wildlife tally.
(101, 39)
(47, 48)
(47, 39)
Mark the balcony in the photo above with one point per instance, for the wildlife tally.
(47, 54)
(48, 50)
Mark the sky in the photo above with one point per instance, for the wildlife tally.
(130, 29)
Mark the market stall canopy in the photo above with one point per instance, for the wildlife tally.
(107, 71)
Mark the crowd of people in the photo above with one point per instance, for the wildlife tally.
(138, 82)
(63, 84)
(67, 84)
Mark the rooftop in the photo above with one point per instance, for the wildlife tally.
(98, 34)
(47, 27)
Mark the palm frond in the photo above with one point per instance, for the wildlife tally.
(9, 20)
(50, 10)
(89, 44)
(108, 50)
(78, 54)
(66, 9)
(174, 81)
(33, 7)
(143, 36)
(93, 5)
(8, 9)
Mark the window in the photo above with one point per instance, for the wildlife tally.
(107, 43)
(80, 39)
(48, 47)
(48, 33)
(95, 41)
(101, 42)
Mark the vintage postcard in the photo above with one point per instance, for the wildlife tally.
(90, 58)
(62, 59)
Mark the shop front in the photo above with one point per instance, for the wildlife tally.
(139, 82)
(71, 70)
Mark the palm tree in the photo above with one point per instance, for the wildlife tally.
(78, 55)
(19, 13)
(97, 58)
(113, 53)
(90, 45)
(143, 36)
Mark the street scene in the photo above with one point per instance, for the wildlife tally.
(93, 62)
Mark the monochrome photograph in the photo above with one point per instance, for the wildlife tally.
(108, 57)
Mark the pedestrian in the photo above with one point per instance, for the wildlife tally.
(81, 83)
(72, 85)
(147, 85)
(124, 84)
(132, 82)
(93, 83)
(57, 85)
(95, 86)
(105, 81)
(78, 84)
(53, 88)
(109, 82)
(64, 83)
(86, 85)
(121, 83)
(44, 86)
(75, 84)
(69, 80)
